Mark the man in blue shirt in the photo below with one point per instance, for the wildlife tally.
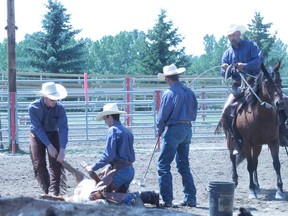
(119, 155)
(49, 131)
(177, 109)
(119, 152)
(247, 58)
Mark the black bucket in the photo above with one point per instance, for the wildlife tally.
(221, 198)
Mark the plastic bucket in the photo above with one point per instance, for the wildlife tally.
(221, 198)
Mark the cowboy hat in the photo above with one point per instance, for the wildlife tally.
(234, 28)
(52, 91)
(109, 109)
(169, 71)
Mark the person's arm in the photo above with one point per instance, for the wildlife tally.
(110, 151)
(164, 112)
(252, 58)
(63, 133)
(225, 62)
(36, 117)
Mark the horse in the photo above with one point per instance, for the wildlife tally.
(257, 121)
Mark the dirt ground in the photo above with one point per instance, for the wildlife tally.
(209, 162)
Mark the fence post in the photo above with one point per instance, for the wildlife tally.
(203, 104)
(86, 88)
(86, 102)
(157, 100)
(14, 148)
(128, 99)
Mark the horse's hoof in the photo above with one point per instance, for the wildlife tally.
(252, 195)
(280, 195)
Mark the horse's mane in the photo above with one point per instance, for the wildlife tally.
(250, 97)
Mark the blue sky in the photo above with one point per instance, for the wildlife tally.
(194, 19)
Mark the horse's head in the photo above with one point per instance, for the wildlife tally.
(273, 85)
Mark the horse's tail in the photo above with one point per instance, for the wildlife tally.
(219, 128)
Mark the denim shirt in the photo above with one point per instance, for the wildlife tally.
(45, 120)
(178, 103)
(248, 53)
(119, 146)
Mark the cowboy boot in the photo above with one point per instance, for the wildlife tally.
(237, 147)
(229, 124)
(150, 197)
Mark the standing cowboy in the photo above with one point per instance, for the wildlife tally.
(48, 131)
(177, 109)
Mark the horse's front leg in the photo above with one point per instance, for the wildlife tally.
(233, 159)
(234, 169)
(277, 167)
(255, 155)
(251, 169)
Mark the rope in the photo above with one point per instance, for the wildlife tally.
(202, 74)
(143, 181)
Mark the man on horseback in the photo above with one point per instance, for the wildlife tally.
(242, 56)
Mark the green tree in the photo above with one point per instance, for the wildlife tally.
(209, 62)
(3, 56)
(55, 50)
(164, 46)
(278, 52)
(259, 33)
(122, 54)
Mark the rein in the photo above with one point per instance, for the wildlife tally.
(267, 105)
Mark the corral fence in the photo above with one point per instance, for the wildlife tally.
(138, 96)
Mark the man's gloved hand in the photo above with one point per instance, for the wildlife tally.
(240, 66)
(52, 151)
(61, 155)
(231, 71)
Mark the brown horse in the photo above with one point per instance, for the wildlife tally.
(258, 122)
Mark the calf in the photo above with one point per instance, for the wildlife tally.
(86, 185)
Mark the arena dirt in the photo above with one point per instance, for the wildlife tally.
(209, 162)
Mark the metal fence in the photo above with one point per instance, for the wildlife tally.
(138, 96)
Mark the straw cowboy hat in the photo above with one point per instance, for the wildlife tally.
(234, 28)
(52, 91)
(109, 109)
(169, 71)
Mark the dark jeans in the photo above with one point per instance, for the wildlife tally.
(48, 179)
(176, 143)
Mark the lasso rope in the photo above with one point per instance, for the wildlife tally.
(190, 83)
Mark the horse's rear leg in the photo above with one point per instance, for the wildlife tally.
(255, 180)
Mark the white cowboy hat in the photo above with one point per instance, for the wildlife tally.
(169, 71)
(53, 91)
(109, 109)
(234, 28)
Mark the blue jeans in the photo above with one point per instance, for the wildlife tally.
(176, 143)
(124, 177)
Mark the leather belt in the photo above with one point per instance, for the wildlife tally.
(184, 122)
(120, 164)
